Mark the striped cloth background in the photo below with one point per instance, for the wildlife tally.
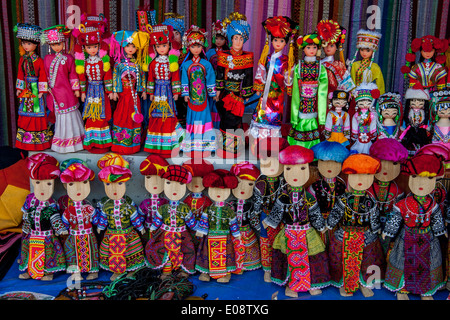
(400, 22)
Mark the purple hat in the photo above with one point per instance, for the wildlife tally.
(389, 149)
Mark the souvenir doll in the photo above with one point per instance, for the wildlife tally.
(121, 249)
(389, 109)
(366, 70)
(330, 186)
(219, 43)
(234, 83)
(81, 246)
(337, 124)
(333, 37)
(415, 262)
(430, 72)
(267, 189)
(440, 111)
(198, 82)
(309, 94)
(94, 71)
(128, 51)
(171, 246)
(33, 132)
(364, 121)
(416, 133)
(152, 168)
(247, 216)
(217, 255)
(273, 78)
(164, 132)
(64, 89)
(355, 248)
(196, 200)
(385, 189)
(42, 254)
(299, 259)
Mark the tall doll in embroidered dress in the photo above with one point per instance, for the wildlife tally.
(164, 133)
(337, 125)
(234, 83)
(440, 108)
(389, 109)
(415, 262)
(42, 254)
(355, 248)
(121, 249)
(81, 246)
(198, 83)
(128, 49)
(273, 79)
(64, 89)
(171, 247)
(94, 71)
(33, 131)
(309, 94)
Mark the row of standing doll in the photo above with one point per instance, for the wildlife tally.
(353, 235)
(157, 86)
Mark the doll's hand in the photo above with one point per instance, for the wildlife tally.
(144, 95)
(111, 96)
(199, 234)
(77, 93)
(216, 98)
(238, 238)
(383, 236)
(99, 231)
(264, 225)
(40, 95)
(116, 96)
(143, 231)
(175, 97)
(186, 99)
(18, 92)
(83, 97)
(152, 97)
(64, 233)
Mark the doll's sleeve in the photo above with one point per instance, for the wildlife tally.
(295, 103)
(210, 79)
(55, 220)
(151, 79)
(394, 223)
(247, 83)
(20, 83)
(337, 212)
(347, 125)
(260, 78)
(108, 81)
(220, 76)
(100, 218)
(353, 69)
(328, 126)
(322, 95)
(373, 125)
(65, 218)
(355, 127)
(315, 216)
(43, 82)
(176, 83)
(276, 215)
(25, 221)
(437, 222)
(254, 218)
(189, 218)
(234, 225)
(441, 78)
(144, 214)
(73, 76)
(374, 218)
(134, 217)
(203, 223)
(157, 220)
(184, 81)
(378, 76)
(141, 86)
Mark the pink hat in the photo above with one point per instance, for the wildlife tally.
(77, 172)
(293, 155)
(388, 149)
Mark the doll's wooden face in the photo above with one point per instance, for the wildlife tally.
(428, 54)
(57, 47)
(220, 41)
(92, 50)
(360, 181)
(196, 185)
(339, 104)
(366, 53)
(389, 171)
(162, 49)
(115, 190)
(196, 49)
(389, 113)
(154, 184)
(28, 46)
(296, 175)
(176, 36)
(364, 104)
(43, 189)
(310, 50)
(278, 44)
(271, 167)
(417, 104)
(244, 190)
(237, 42)
(421, 186)
(219, 194)
(174, 190)
(329, 169)
(444, 113)
(130, 49)
(78, 191)
(330, 49)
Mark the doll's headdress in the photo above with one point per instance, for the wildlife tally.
(140, 39)
(388, 149)
(77, 172)
(162, 34)
(113, 168)
(361, 164)
(27, 31)
(294, 155)
(330, 32)
(66, 163)
(366, 39)
(220, 178)
(421, 94)
(237, 23)
(176, 21)
(195, 35)
(199, 168)
(42, 166)
(424, 165)
(55, 34)
(367, 91)
(439, 101)
(390, 100)
(330, 151)
(309, 39)
(144, 18)
(218, 29)
(153, 165)
(177, 173)
(270, 147)
(245, 170)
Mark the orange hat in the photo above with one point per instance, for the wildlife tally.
(360, 164)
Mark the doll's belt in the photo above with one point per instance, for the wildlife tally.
(165, 227)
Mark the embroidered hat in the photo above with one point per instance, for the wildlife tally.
(388, 149)
(424, 165)
(440, 100)
(162, 34)
(175, 21)
(245, 170)
(390, 100)
(55, 34)
(77, 172)
(199, 167)
(236, 23)
(113, 168)
(361, 164)
(153, 165)
(294, 155)
(366, 39)
(420, 94)
(112, 158)
(270, 147)
(218, 29)
(309, 39)
(330, 151)
(368, 91)
(66, 163)
(27, 31)
(177, 173)
(195, 35)
(330, 32)
(340, 94)
(220, 178)
(426, 44)
(42, 166)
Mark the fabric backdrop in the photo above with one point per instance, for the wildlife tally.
(400, 22)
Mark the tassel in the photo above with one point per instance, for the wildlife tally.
(265, 52)
(94, 111)
(291, 58)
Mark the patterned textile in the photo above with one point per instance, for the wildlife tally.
(239, 251)
(37, 257)
(81, 253)
(352, 252)
(217, 256)
(252, 255)
(202, 261)
(298, 262)
(117, 247)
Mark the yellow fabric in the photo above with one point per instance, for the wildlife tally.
(313, 240)
(377, 75)
(338, 137)
(11, 202)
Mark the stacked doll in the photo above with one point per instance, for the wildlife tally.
(440, 111)
(337, 124)
(33, 131)
(64, 89)
(42, 254)
(389, 109)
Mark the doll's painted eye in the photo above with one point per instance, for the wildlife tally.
(71, 184)
(303, 168)
(430, 178)
(107, 184)
(120, 183)
(38, 182)
(85, 182)
(49, 183)
(396, 163)
(288, 168)
(147, 177)
(414, 176)
(167, 182)
(250, 184)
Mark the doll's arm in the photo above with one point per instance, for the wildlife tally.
(184, 81)
(347, 125)
(56, 222)
(20, 83)
(437, 222)
(234, 226)
(203, 224)
(210, 79)
(157, 220)
(73, 76)
(260, 78)
(65, 218)
(322, 95)
(108, 81)
(378, 76)
(43, 82)
(275, 216)
(393, 224)
(135, 218)
(295, 103)
(355, 127)
(328, 126)
(374, 217)
(100, 218)
(117, 81)
(247, 83)
(337, 212)
(315, 216)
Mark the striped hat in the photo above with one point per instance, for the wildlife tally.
(26, 31)
(366, 39)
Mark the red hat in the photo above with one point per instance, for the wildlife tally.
(42, 167)
(177, 173)
(199, 168)
(245, 170)
(270, 147)
(436, 149)
(153, 165)
(424, 165)
(293, 155)
(77, 172)
(220, 178)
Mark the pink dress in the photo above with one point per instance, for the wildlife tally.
(63, 81)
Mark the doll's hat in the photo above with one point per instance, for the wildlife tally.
(42, 166)
(366, 39)
(437, 149)
(330, 32)
(330, 151)
(77, 172)
(66, 163)
(55, 34)
(294, 155)
(422, 94)
(280, 26)
(176, 21)
(424, 165)
(440, 100)
(113, 168)
(153, 165)
(218, 29)
(177, 173)
(195, 35)
(361, 164)
(27, 31)
(367, 91)
(199, 167)
(245, 170)
(237, 23)
(309, 39)
(388, 149)
(220, 178)
(160, 34)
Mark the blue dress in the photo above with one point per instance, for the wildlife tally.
(211, 55)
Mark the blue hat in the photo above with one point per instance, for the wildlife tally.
(176, 21)
(330, 151)
(124, 37)
(240, 27)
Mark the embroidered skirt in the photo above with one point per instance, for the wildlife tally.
(305, 133)
(81, 253)
(69, 132)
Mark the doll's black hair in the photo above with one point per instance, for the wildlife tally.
(225, 46)
(426, 109)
